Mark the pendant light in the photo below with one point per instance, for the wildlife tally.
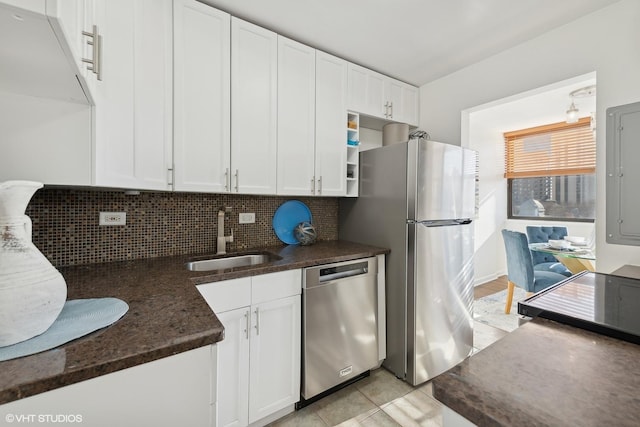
(572, 113)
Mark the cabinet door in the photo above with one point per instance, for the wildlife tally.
(331, 114)
(366, 92)
(393, 91)
(133, 120)
(411, 105)
(233, 369)
(254, 62)
(275, 357)
(403, 102)
(69, 23)
(89, 18)
(202, 57)
(296, 118)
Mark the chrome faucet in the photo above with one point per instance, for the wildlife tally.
(222, 239)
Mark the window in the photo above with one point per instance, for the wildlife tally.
(550, 172)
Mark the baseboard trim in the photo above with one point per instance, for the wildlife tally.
(484, 279)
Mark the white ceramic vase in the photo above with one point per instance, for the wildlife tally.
(32, 291)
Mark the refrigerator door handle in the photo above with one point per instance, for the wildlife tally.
(441, 222)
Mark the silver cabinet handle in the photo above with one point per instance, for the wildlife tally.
(94, 64)
(320, 185)
(170, 177)
(257, 320)
(237, 181)
(313, 185)
(246, 328)
(98, 61)
(227, 179)
(391, 108)
(386, 109)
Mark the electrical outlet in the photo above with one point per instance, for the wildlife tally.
(246, 218)
(113, 218)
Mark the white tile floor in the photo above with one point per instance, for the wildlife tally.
(381, 399)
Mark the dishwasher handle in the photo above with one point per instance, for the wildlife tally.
(342, 274)
(325, 274)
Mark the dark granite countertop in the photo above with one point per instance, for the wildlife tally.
(547, 374)
(166, 316)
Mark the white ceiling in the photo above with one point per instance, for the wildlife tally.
(538, 107)
(416, 41)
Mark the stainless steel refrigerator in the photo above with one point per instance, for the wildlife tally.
(418, 198)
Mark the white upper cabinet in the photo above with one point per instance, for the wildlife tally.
(254, 83)
(366, 91)
(331, 117)
(296, 117)
(202, 98)
(312, 91)
(133, 111)
(69, 22)
(37, 58)
(379, 96)
(177, 95)
(403, 105)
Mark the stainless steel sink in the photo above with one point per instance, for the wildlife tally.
(232, 261)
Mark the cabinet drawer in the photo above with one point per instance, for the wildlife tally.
(227, 294)
(268, 287)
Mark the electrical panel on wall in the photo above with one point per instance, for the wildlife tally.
(623, 175)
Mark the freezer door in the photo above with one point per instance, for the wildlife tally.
(440, 299)
(443, 178)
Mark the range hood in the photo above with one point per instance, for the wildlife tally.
(32, 58)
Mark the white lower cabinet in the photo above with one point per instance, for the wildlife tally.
(274, 362)
(259, 358)
(233, 380)
(173, 391)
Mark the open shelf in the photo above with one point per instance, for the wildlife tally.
(353, 142)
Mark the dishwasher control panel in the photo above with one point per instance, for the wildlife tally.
(322, 274)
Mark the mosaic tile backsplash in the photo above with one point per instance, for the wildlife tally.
(66, 230)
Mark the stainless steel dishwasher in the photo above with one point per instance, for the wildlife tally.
(339, 324)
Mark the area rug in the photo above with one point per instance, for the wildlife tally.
(490, 310)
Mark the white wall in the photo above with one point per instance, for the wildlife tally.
(486, 126)
(370, 138)
(605, 42)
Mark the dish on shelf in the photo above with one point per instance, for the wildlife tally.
(287, 217)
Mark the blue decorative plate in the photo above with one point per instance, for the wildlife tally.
(287, 216)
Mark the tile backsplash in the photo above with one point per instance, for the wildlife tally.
(66, 230)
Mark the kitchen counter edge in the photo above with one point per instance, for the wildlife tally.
(167, 315)
(546, 374)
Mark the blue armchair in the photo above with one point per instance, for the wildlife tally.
(542, 261)
(520, 270)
